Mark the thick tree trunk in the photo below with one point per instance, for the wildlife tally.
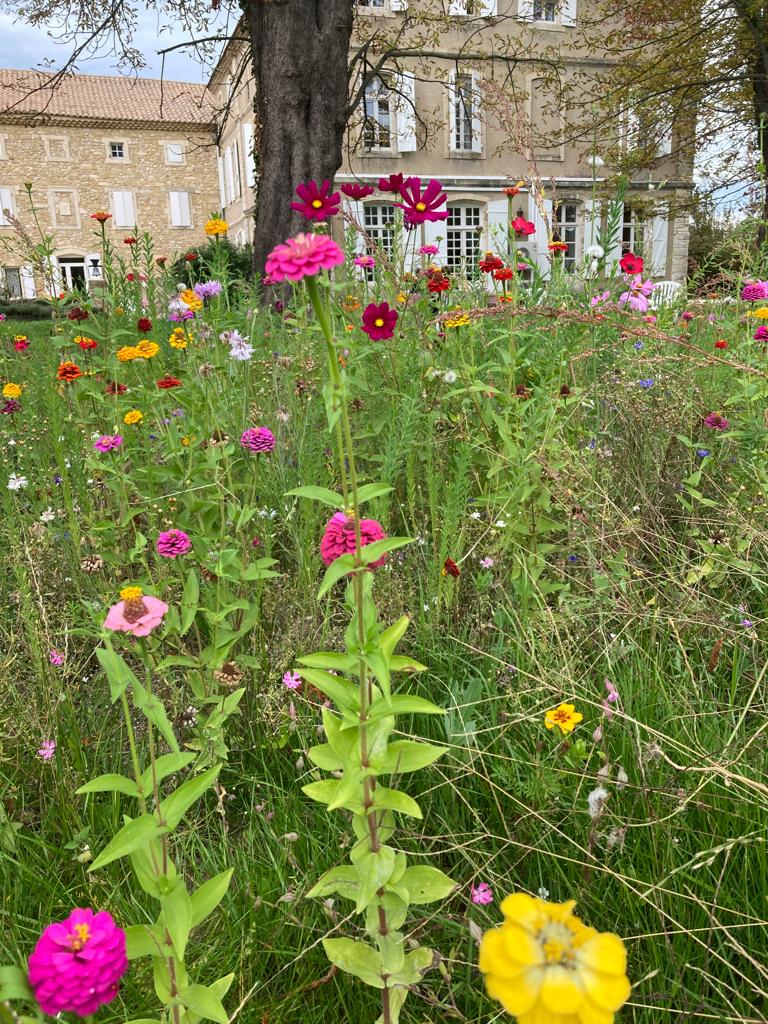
(300, 53)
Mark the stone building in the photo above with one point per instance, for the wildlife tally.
(430, 121)
(140, 149)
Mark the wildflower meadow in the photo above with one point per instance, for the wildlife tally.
(381, 639)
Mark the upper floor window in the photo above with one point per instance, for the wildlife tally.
(463, 230)
(56, 147)
(464, 121)
(544, 10)
(372, 3)
(564, 228)
(472, 8)
(552, 12)
(6, 203)
(174, 152)
(116, 150)
(377, 126)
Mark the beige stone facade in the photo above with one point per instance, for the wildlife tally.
(429, 120)
(140, 149)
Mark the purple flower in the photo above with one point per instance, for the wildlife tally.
(702, 453)
(47, 750)
(638, 346)
(747, 624)
(754, 291)
(646, 384)
(487, 563)
(687, 316)
(638, 294)
(716, 421)
(55, 657)
(173, 543)
(258, 439)
(482, 894)
(761, 334)
(292, 680)
(108, 442)
(207, 289)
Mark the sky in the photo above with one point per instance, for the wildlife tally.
(22, 46)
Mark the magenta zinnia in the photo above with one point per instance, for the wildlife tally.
(173, 543)
(339, 538)
(754, 291)
(258, 439)
(716, 421)
(379, 321)
(302, 256)
(77, 964)
(419, 206)
(108, 442)
(315, 201)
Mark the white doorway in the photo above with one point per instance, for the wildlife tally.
(73, 272)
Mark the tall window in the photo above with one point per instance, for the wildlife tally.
(10, 282)
(544, 10)
(181, 210)
(379, 225)
(464, 227)
(463, 113)
(631, 232)
(564, 230)
(377, 128)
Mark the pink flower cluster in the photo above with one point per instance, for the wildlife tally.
(108, 442)
(637, 294)
(755, 291)
(339, 538)
(258, 439)
(173, 543)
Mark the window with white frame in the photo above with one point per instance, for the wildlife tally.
(631, 231)
(123, 209)
(181, 209)
(463, 114)
(544, 10)
(377, 126)
(6, 203)
(564, 229)
(117, 150)
(463, 235)
(174, 152)
(372, 3)
(379, 227)
(10, 282)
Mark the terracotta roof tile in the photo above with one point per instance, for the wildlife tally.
(114, 97)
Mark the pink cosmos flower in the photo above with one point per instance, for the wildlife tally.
(393, 183)
(761, 334)
(754, 291)
(292, 680)
(339, 538)
(379, 321)
(365, 261)
(258, 439)
(429, 250)
(136, 614)
(716, 421)
(108, 442)
(47, 750)
(173, 543)
(302, 256)
(316, 203)
(638, 293)
(419, 206)
(596, 300)
(77, 963)
(482, 894)
(55, 657)
(356, 191)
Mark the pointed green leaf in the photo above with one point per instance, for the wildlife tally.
(373, 552)
(177, 914)
(341, 691)
(406, 756)
(166, 765)
(392, 635)
(395, 800)
(152, 709)
(370, 491)
(140, 942)
(323, 494)
(189, 601)
(131, 836)
(109, 784)
(118, 673)
(14, 984)
(426, 884)
(209, 896)
(330, 659)
(342, 880)
(175, 806)
(355, 958)
(403, 704)
(201, 1000)
(339, 567)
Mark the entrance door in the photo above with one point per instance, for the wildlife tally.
(72, 272)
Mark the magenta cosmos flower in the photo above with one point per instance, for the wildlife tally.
(108, 442)
(754, 291)
(379, 321)
(419, 206)
(136, 613)
(77, 964)
(173, 543)
(392, 183)
(339, 538)
(315, 201)
(355, 191)
(302, 256)
(258, 439)
(716, 421)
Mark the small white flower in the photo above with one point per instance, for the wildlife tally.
(595, 252)
(16, 483)
(596, 161)
(449, 377)
(542, 893)
(11, 443)
(596, 801)
(475, 515)
(48, 516)
(500, 524)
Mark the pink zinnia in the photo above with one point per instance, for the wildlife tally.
(365, 261)
(379, 321)
(136, 613)
(339, 538)
(482, 894)
(173, 543)
(302, 256)
(761, 334)
(77, 964)
(315, 201)
(356, 191)
(108, 442)
(716, 421)
(754, 291)
(419, 206)
(258, 439)
(428, 250)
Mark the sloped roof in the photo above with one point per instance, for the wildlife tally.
(43, 95)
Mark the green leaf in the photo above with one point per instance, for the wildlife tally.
(370, 491)
(330, 659)
(118, 673)
(343, 880)
(325, 757)
(131, 836)
(210, 894)
(109, 784)
(406, 756)
(355, 958)
(392, 635)
(339, 567)
(342, 692)
(372, 552)
(205, 1002)
(175, 806)
(374, 871)
(152, 709)
(426, 884)
(140, 942)
(403, 704)
(378, 664)
(166, 765)
(323, 494)
(395, 800)
(177, 912)
(189, 601)
(397, 663)
(14, 984)
(415, 964)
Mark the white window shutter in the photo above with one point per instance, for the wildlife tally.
(452, 111)
(591, 214)
(498, 229)
(458, 7)
(186, 208)
(398, 5)
(525, 10)
(659, 239)
(27, 282)
(665, 142)
(405, 112)
(477, 124)
(434, 234)
(222, 191)
(129, 208)
(543, 224)
(6, 203)
(250, 168)
(175, 209)
(230, 174)
(568, 12)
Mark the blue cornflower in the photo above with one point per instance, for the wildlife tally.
(647, 383)
(639, 346)
(702, 453)
(572, 559)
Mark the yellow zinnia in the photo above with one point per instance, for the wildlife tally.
(566, 717)
(132, 417)
(458, 320)
(126, 353)
(544, 965)
(146, 348)
(178, 338)
(215, 226)
(191, 300)
(761, 313)
(12, 390)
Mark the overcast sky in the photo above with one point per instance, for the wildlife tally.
(24, 47)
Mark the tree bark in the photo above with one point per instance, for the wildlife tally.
(760, 85)
(300, 54)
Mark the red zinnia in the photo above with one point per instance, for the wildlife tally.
(490, 262)
(721, 343)
(101, 216)
(166, 383)
(355, 191)
(144, 325)
(631, 264)
(113, 388)
(419, 206)
(85, 343)
(521, 226)
(451, 569)
(394, 183)
(438, 283)
(315, 201)
(379, 321)
(130, 277)
(161, 261)
(503, 274)
(68, 371)
(130, 241)
(190, 257)
(511, 190)
(558, 247)
(76, 313)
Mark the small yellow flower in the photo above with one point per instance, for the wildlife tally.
(146, 349)
(458, 320)
(185, 440)
(402, 297)
(127, 353)
(119, 310)
(178, 338)
(566, 717)
(191, 300)
(131, 593)
(349, 328)
(12, 390)
(544, 964)
(132, 417)
(761, 313)
(215, 226)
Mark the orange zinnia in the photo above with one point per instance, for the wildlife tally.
(68, 371)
